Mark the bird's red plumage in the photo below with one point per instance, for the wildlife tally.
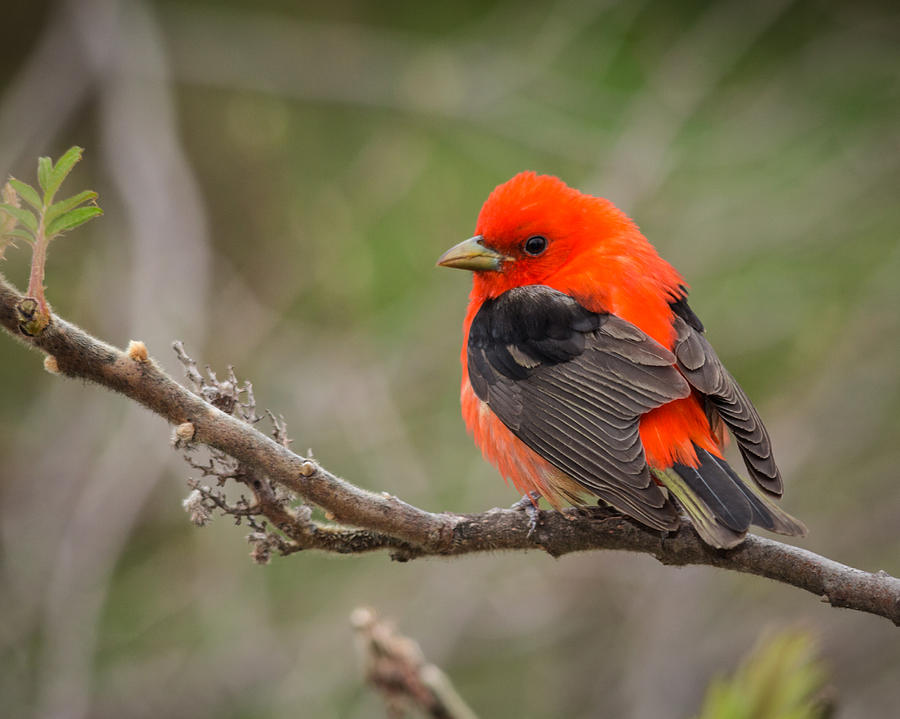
(598, 256)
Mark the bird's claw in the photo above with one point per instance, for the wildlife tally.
(528, 504)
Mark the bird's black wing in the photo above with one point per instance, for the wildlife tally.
(724, 397)
(572, 385)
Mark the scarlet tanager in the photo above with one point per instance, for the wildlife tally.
(586, 372)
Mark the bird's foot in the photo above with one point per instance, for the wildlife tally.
(528, 504)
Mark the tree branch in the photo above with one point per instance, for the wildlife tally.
(367, 521)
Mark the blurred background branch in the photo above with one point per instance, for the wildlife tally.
(395, 666)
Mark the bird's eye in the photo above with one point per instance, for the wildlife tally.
(535, 245)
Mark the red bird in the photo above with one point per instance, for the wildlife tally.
(586, 372)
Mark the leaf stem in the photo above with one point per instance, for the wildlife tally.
(38, 260)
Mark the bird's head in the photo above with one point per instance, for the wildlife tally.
(535, 229)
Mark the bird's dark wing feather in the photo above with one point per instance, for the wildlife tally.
(572, 385)
(699, 363)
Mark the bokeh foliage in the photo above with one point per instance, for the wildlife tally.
(278, 180)
(781, 679)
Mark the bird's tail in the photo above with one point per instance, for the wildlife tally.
(721, 504)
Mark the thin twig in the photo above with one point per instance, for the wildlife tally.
(386, 522)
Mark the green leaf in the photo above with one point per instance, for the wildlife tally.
(26, 217)
(20, 234)
(27, 193)
(64, 206)
(60, 171)
(45, 167)
(73, 219)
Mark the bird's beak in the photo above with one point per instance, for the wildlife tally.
(472, 255)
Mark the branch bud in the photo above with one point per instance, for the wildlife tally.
(137, 351)
(185, 432)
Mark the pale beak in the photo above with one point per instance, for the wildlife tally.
(472, 255)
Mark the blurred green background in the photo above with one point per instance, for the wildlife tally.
(278, 179)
